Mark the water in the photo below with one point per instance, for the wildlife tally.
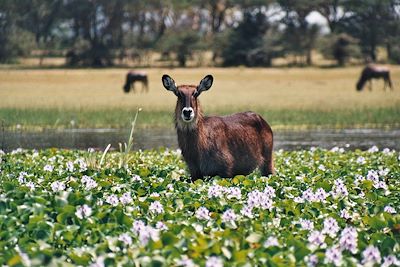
(154, 138)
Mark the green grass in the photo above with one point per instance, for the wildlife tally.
(387, 117)
(287, 98)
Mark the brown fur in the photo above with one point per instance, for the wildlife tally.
(222, 145)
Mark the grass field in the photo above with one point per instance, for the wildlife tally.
(285, 97)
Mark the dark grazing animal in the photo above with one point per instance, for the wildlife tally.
(225, 146)
(374, 72)
(135, 76)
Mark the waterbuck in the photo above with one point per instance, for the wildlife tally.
(136, 76)
(219, 145)
(374, 72)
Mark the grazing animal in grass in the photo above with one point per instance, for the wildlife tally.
(219, 145)
(374, 72)
(136, 76)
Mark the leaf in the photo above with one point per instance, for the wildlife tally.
(254, 237)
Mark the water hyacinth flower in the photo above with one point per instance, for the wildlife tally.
(339, 189)
(331, 227)
(125, 239)
(373, 149)
(247, 211)
(305, 224)
(371, 255)
(389, 209)
(233, 192)
(202, 213)
(57, 186)
(126, 198)
(320, 195)
(263, 200)
(31, 185)
(112, 200)
(156, 207)
(99, 262)
(136, 178)
(390, 260)
(21, 177)
(88, 182)
(311, 260)
(161, 226)
(334, 255)
(70, 166)
(345, 214)
(316, 240)
(348, 239)
(229, 216)
(215, 191)
(361, 160)
(48, 168)
(185, 262)
(83, 211)
(214, 261)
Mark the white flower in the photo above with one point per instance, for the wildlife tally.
(334, 255)
(389, 209)
(83, 211)
(247, 211)
(126, 239)
(126, 198)
(316, 239)
(229, 216)
(311, 260)
(170, 187)
(271, 242)
(361, 160)
(138, 226)
(348, 239)
(57, 186)
(214, 261)
(136, 178)
(215, 191)
(48, 168)
(233, 192)
(70, 166)
(371, 255)
(331, 227)
(263, 200)
(321, 195)
(373, 149)
(156, 207)
(161, 226)
(339, 189)
(386, 151)
(390, 260)
(322, 168)
(148, 233)
(88, 182)
(112, 200)
(99, 262)
(345, 214)
(31, 185)
(203, 213)
(185, 262)
(21, 177)
(306, 224)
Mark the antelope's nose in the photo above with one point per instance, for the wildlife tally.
(187, 114)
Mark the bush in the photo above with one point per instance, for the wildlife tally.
(15, 42)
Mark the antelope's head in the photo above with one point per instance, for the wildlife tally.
(187, 105)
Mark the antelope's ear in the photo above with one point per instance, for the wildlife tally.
(205, 84)
(169, 84)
